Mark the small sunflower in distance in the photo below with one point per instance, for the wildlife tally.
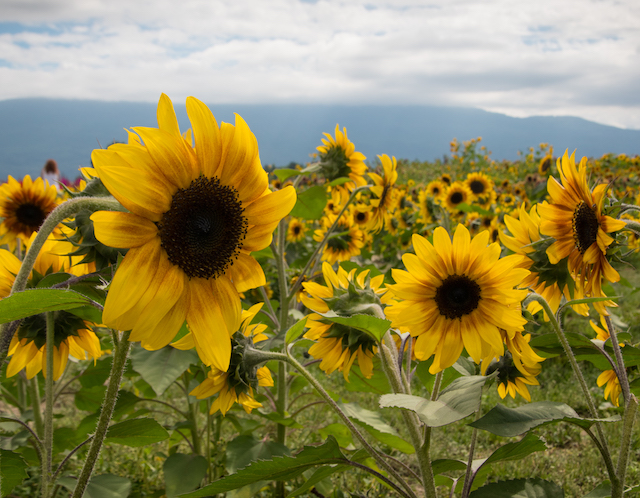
(386, 202)
(238, 382)
(24, 207)
(296, 230)
(575, 220)
(457, 193)
(457, 294)
(339, 158)
(346, 294)
(195, 215)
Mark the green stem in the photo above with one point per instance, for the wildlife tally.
(59, 214)
(120, 354)
(389, 366)
(34, 393)
(468, 477)
(345, 419)
(48, 410)
(606, 454)
(631, 409)
(621, 370)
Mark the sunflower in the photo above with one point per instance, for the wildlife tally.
(72, 334)
(575, 220)
(479, 184)
(551, 281)
(456, 193)
(361, 215)
(345, 293)
(195, 216)
(386, 202)
(339, 159)
(436, 189)
(445, 178)
(296, 230)
(613, 388)
(344, 243)
(544, 167)
(24, 207)
(458, 294)
(238, 382)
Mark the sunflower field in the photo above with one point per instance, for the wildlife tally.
(183, 322)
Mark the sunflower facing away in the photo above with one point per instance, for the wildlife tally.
(339, 158)
(72, 334)
(457, 294)
(385, 203)
(195, 215)
(574, 218)
(24, 206)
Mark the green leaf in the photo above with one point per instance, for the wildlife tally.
(245, 449)
(183, 473)
(377, 384)
(318, 475)
(96, 375)
(507, 422)
(446, 465)
(342, 434)
(459, 400)
(295, 331)
(519, 488)
(90, 399)
(374, 326)
(102, 486)
(278, 469)
(310, 203)
(161, 368)
(283, 174)
(517, 450)
(603, 490)
(136, 432)
(339, 181)
(34, 301)
(376, 426)
(12, 471)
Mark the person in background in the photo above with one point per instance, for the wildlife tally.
(51, 173)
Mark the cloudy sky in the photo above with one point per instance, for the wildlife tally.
(521, 58)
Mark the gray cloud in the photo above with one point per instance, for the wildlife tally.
(575, 57)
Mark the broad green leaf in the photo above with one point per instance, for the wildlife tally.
(96, 375)
(504, 421)
(519, 488)
(33, 301)
(374, 326)
(283, 174)
(161, 368)
(310, 203)
(243, 450)
(295, 331)
(339, 431)
(89, 313)
(278, 469)
(102, 486)
(518, 450)
(635, 386)
(376, 426)
(90, 399)
(183, 473)
(12, 471)
(446, 464)
(460, 399)
(136, 432)
(603, 490)
(125, 403)
(339, 181)
(318, 475)
(377, 384)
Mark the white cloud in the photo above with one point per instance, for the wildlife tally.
(577, 57)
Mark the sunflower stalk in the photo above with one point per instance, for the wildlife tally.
(389, 366)
(120, 354)
(34, 393)
(48, 412)
(621, 371)
(604, 448)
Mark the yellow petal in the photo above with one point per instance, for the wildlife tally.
(207, 136)
(271, 207)
(122, 230)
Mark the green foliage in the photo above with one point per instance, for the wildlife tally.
(136, 432)
(34, 301)
(161, 368)
(183, 473)
(12, 471)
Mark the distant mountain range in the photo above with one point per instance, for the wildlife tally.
(34, 130)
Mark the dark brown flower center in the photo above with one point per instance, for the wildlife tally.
(296, 229)
(458, 295)
(585, 226)
(456, 198)
(204, 228)
(30, 215)
(477, 187)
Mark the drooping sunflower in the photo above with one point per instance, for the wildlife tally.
(72, 335)
(575, 220)
(24, 207)
(386, 202)
(346, 241)
(345, 293)
(613, 389)
(458, 294)
(195, 215)
(551, 281)
(339, 158)
(238, 382)
(457, 193)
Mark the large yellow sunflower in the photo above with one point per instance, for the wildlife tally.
(574, 218)
(72, 334)
(386, 202)
(195, 215)
(339, 158)
(458, 294)
(24, 207)
(346, 293)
